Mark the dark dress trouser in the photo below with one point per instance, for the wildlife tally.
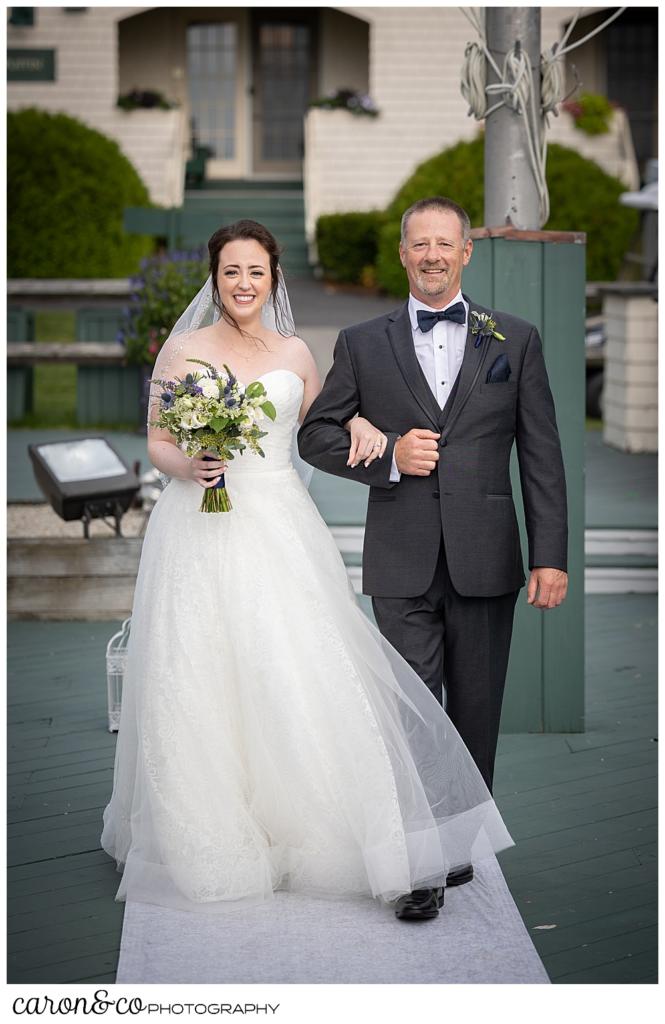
(462, 641)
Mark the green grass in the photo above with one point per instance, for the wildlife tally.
(55, 326)
(54, 401)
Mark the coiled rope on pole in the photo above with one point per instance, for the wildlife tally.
(515, 89)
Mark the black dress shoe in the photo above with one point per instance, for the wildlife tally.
(419, 905)
(460, 875)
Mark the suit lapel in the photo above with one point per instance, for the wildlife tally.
(401, 339)
(468, 375)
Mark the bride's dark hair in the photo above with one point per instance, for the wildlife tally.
(248, 229)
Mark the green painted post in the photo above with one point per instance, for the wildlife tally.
(108, 394)
(105, 394)
(20, 379)
(98, 324)
(564, 312)
(540, 276)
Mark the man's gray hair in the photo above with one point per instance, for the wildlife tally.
(437, 203)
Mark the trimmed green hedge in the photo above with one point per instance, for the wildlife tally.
(582, 198)
(67, 188)
(347, 244)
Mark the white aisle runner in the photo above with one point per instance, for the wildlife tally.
(478, 937)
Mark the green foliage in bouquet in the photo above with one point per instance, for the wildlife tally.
(582, 198)
(164, 287)
(214, 412)
(67, 188)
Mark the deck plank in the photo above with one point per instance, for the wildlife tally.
(581, 807)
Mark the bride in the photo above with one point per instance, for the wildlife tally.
(270, 738)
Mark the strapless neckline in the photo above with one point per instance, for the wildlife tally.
(279, 369)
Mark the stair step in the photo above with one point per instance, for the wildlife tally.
(287, 199)
(278, 204)
(609, 542)
(247, 185)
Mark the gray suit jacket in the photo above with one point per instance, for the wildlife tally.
(376, 373)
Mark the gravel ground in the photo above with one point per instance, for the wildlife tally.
(41, 521)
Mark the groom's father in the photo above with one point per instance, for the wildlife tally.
(452, 385)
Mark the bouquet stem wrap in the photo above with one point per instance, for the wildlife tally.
(216, 499)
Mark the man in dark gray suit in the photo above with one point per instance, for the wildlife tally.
(452, 385)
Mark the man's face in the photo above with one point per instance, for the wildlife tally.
(433, 255)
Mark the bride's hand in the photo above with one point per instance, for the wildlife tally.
(204, 472)
(367, 443)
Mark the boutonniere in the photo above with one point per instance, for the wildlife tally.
(483, 325)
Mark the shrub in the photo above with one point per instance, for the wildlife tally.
(162, 291)
(347, 244)
(67, 188)
(582, 198)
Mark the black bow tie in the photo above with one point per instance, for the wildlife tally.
(426, 319)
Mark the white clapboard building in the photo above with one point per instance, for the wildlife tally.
(241, 81)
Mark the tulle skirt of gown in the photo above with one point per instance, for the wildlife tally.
(270, 737)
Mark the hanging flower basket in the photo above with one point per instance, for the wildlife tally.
(357, 103)
(144, 99)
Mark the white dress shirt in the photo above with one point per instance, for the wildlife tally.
(439, 352)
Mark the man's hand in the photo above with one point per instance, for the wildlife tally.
(550, 584)
(417, 452)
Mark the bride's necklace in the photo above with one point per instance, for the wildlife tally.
(246, 358)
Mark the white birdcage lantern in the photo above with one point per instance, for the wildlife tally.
(116, 660)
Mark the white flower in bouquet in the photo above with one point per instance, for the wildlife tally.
(190, 421)
(209, 387)
(213, 412)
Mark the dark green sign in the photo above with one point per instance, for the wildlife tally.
(30, 65)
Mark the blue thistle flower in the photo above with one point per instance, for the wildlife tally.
(230, 402)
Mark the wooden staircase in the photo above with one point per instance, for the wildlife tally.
(278, 205)
(69, 578)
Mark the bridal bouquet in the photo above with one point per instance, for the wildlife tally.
(212, 411)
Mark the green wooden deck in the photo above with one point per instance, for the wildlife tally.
(582, 809)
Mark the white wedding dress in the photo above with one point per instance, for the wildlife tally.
(270, 737)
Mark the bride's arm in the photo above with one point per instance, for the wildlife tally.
(366, 442)
(309, 373)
